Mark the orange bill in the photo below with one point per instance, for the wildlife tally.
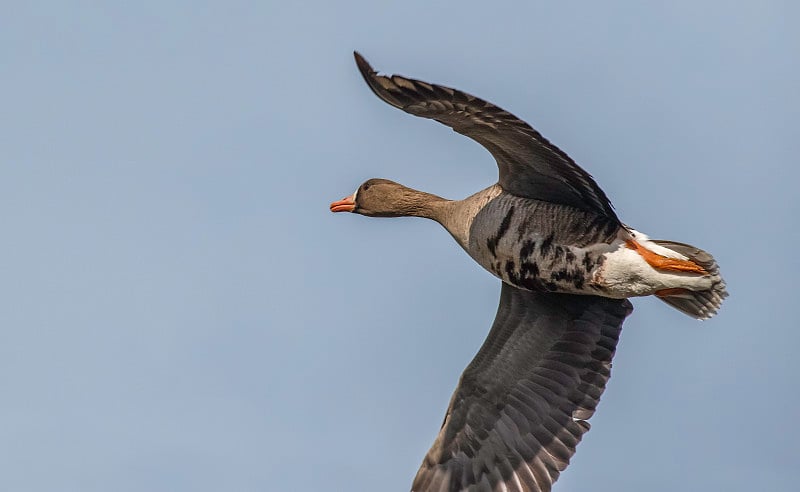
(346, 204)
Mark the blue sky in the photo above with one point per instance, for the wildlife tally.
(181, 312)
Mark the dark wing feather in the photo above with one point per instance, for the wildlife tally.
(520, 407)
(529, 165)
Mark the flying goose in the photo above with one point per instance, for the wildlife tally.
(567, 266)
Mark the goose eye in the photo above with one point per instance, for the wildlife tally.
(365, 187)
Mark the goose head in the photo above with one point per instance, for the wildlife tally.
(385, 198)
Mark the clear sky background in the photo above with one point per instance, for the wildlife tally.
(180, 311)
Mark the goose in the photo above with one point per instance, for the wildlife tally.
(567, 266)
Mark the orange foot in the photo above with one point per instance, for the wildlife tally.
(659, 262)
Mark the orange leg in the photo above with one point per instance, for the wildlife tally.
(659, 262)
(672, 292)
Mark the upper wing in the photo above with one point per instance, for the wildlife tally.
(520, 407)
(530, 166)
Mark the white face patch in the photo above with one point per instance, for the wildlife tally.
(354, 195)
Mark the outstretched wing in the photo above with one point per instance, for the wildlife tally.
(520, 407)
(529, 165)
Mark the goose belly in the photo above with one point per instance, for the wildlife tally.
(541, 246)
(535, 263)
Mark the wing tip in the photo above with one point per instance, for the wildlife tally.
(370, 75)
(363, 65)
(383, 87)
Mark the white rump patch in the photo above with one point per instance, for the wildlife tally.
(625, 273)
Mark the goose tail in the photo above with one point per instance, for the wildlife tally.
(701, 304)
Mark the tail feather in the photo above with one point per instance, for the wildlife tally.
(701, 304)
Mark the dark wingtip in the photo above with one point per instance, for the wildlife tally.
(363, 65)
(372, 79)
(366, 71)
